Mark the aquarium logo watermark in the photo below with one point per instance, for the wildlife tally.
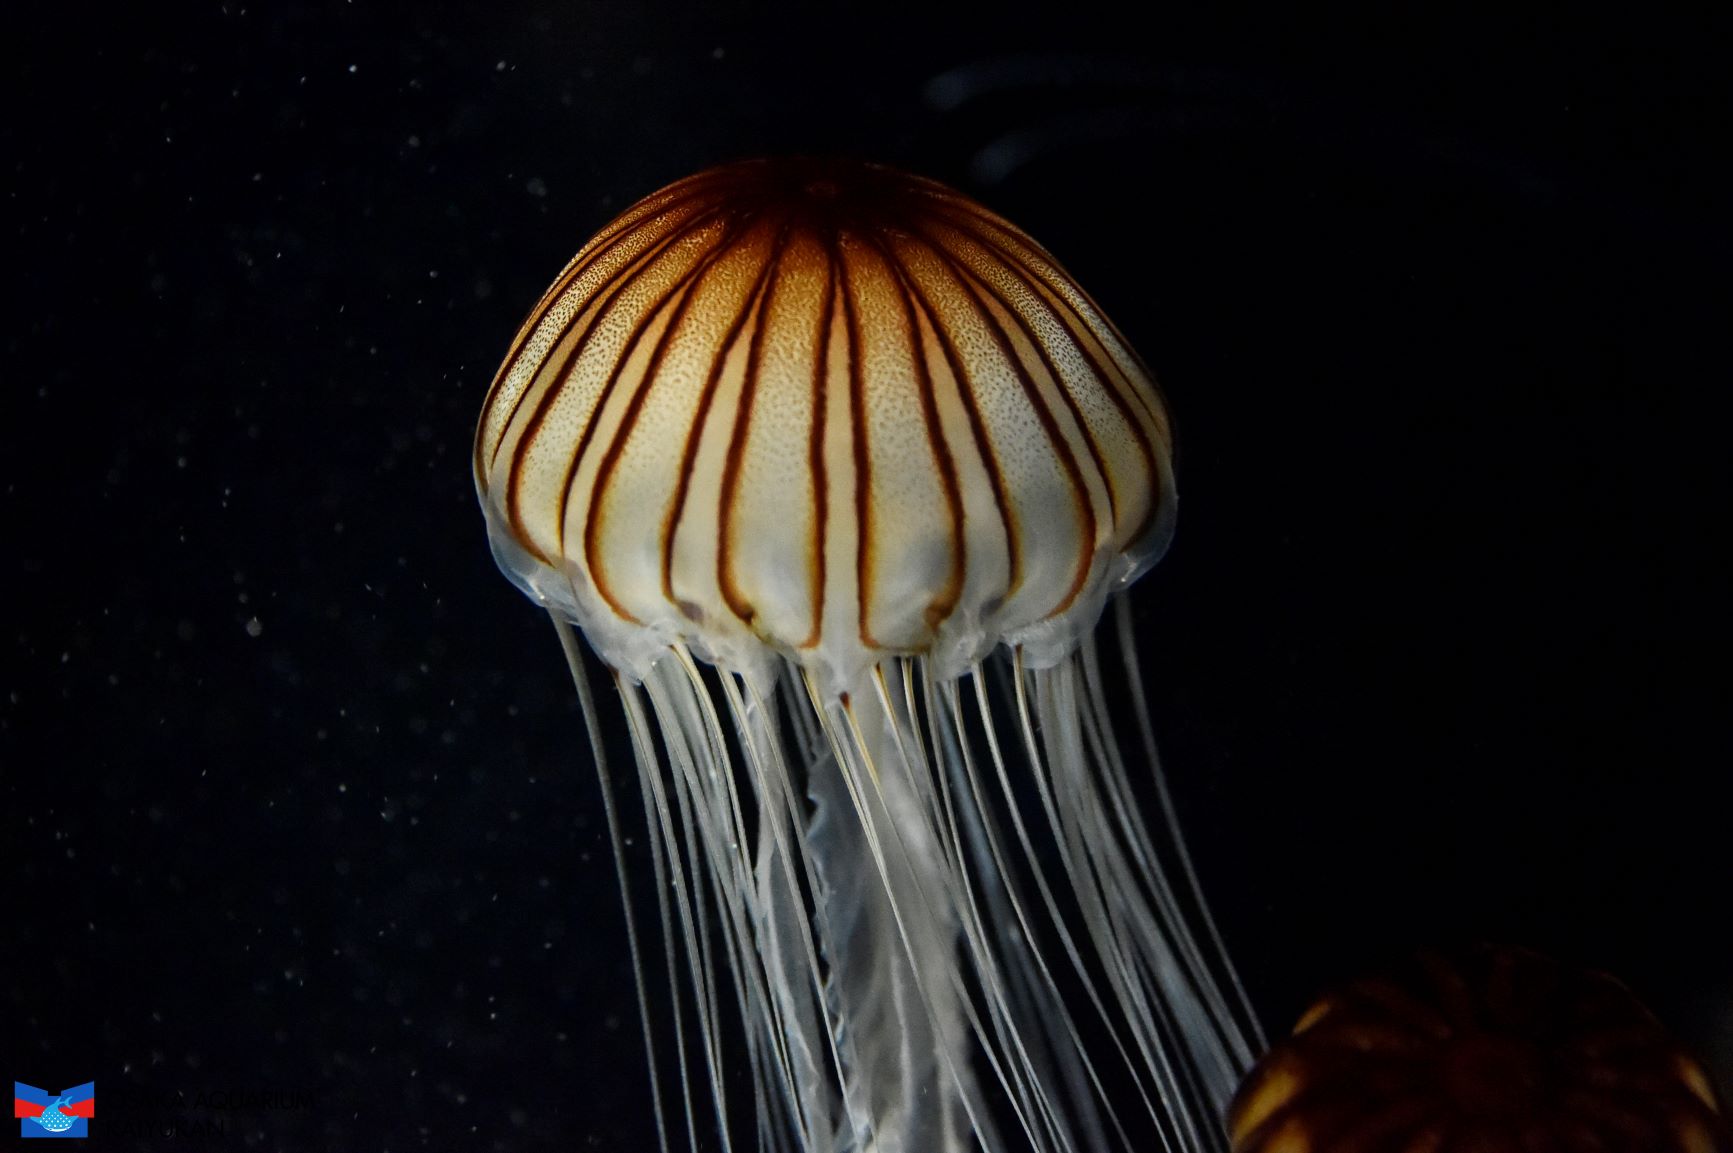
(44, 1114)
(220, 1115)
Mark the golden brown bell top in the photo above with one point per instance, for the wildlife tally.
(827, 410)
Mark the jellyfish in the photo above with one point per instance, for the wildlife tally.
(1489, 1049)
(836, 470)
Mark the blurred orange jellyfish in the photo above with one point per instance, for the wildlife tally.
(836, 471)
(1487, 1050)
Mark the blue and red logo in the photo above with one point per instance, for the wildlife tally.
(65, 1114)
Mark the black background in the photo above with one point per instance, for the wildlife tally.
(295, 792)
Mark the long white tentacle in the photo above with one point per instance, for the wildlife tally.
(921, 927)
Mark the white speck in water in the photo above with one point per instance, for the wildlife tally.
(254, 628)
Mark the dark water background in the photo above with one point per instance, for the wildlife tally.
(293, 785)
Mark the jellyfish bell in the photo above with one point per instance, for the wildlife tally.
(827, 413)
(863, 448)
(1490, 1048)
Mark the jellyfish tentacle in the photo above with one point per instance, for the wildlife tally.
(1023, 1016)
(940, 828)
(1109, 778)
(1187, 994)
(1040, 975)
(696, 759)
(718, 853)
(616, 841)
(961, 961)
(1137, 953)
(900, 958)
(768, 912)
(1250, 1029)
(785, 910)
(1020, 1031)
(1215, 979)
(681, 732)
(1140, 1072)
(837, 916)
(1130, 971)
(663, 857)
(735, 876)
